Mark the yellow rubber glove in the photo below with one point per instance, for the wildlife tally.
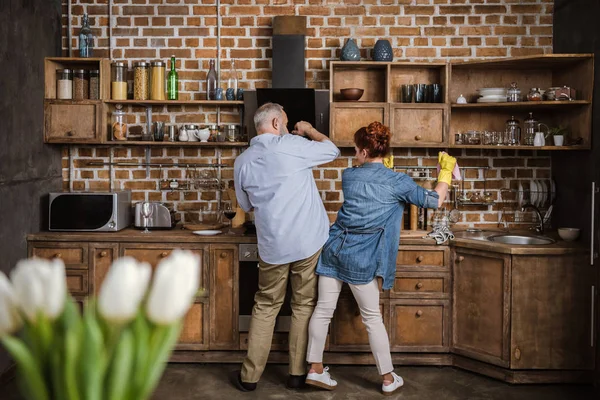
(388, 161)
(447, 163)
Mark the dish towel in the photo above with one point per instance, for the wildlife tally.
(440, 234)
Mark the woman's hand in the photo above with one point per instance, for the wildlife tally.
(447, 164)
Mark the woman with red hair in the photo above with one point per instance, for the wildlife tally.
(363, 245)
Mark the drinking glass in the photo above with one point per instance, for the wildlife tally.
(147, 211)
(420, 92)
(407, 93)
(229, 213)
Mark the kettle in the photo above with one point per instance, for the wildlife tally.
(540, 138)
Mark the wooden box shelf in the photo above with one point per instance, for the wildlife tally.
(370, 76)
(406, 73)
(51, 64)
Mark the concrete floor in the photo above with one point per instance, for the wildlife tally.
(211, 381)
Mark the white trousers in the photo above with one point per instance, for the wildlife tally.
(367, 297)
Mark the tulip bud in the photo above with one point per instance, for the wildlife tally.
(174, 287)
(10, 320)
(123, 289)
(40, 286)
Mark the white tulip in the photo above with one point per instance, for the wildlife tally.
(10, 320)
(123, 289)
(174, 287)
(40, 286)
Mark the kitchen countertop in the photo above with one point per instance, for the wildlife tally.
(475, 241)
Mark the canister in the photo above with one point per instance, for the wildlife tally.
(118, 81)
(64, 84)
(81, 84)
(140, 81)
(94, 84)
(157, 80)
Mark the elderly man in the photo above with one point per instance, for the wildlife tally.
(274, 177)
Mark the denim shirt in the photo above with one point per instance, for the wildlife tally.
(363, 242)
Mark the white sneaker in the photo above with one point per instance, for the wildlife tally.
(322, 381)
(392, 387)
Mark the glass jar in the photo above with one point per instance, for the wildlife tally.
(214, 132)
(530, 125)
(513, 93)
(118, 124)
(81, 84)
(94, 84)
(534, 94)
(140, 81)
(157, 80)
(64, 84)
(513, 132)
(118, 81)
(231, 133)
(473, 137)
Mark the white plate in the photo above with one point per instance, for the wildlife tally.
(533, 192)
(520, 195)
(544, 192)
(494, 96)
(492, 91)
(206, 233)
(495, 100)
(552, 190)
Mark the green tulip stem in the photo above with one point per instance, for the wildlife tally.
(119, 374)
(28, 367)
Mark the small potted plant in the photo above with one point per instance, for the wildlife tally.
(558, 134)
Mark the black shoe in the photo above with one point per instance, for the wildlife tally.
(236, 379)
(296, 382)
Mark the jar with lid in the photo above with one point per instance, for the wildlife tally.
(231, 132)
(530, 125)
(94, 84)
(534, 94)
(140, 81)
(118, 81)
(64, 84)
(214, 132)
(157, 80)
(118, 124)
(513, 93)
(81, 84)
(513, 132)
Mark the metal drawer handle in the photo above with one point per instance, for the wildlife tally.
(103, 253)
(419, 313)
(419, 285)
(223, 255)
(460, 258)
(164, 254)
(420, 258)
(58, 255)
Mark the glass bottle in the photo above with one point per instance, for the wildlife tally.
(530, 125)
(211, 81)
(172, 82)
(232, 83)
(86, 39)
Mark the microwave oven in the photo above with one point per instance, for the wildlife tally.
(89, 211)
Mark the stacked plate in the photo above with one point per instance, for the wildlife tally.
(492, 95)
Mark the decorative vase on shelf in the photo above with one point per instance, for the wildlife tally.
(350, 51)
(383, 51)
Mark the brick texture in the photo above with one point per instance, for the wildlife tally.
(419, 30)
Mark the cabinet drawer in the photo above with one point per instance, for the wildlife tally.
(417, 126)
(69, 122)
(419, 325)
(347, 330)
(420, 257)
(77, 282)
(421, 285)
(74, 255)
(346, 119)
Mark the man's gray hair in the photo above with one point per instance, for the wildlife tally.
(266, 113)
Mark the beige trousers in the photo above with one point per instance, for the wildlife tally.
(367, 297)
(272, 283)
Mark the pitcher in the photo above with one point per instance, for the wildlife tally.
(540, 138)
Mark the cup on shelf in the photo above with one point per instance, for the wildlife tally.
(420, 95)
(438, 93)
(406, 93)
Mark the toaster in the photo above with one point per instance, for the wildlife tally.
(161, 217)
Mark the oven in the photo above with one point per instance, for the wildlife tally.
(247, 287)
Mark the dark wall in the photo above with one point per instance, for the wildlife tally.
(29, 30)
(576, 30)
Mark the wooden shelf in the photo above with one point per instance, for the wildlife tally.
(179, 102)
(523, 104)
(491, 147)
(526, 62)
(73, 102)
(90, 60)
(175, 144)
(434, 106)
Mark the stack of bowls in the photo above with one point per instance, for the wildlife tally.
(492, 95)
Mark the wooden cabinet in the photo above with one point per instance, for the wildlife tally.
(67, 121)
(524, 312)
(416, 125)
(224, 333)
(419, 325)
(101, 257)
(347, 118)
(423, 285)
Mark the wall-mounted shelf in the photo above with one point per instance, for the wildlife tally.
(494, 147)
(175, 144)
(222, 103)
(523, 104)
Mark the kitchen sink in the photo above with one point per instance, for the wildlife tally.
(521, 239)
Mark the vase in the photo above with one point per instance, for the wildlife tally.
(383, 51)
(350, 51)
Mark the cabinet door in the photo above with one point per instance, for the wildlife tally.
(101, 257)
(224, 297)
(417, 125)
(481, 306)
(347, 331)
(419, 325)
(194, 333)
(347, 118)
(70, 122)
(551, 318)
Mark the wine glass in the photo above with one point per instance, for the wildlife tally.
(147, 211)
(229, 213)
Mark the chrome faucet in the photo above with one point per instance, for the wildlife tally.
(540, 228)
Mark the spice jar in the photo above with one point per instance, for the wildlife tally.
(157, 80)
(119, 127)
(64, 84)
(140, 81)
(118, 81)
(513, 93)
(94, 84)
(81, 84)
(534, 94)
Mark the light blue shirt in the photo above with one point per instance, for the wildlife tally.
(274, 176)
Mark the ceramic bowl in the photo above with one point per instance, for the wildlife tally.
(352, 94)
(568, 234)
(203, 134)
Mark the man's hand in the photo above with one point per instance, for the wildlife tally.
(303, 128)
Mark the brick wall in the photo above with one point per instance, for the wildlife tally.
(418, 30)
